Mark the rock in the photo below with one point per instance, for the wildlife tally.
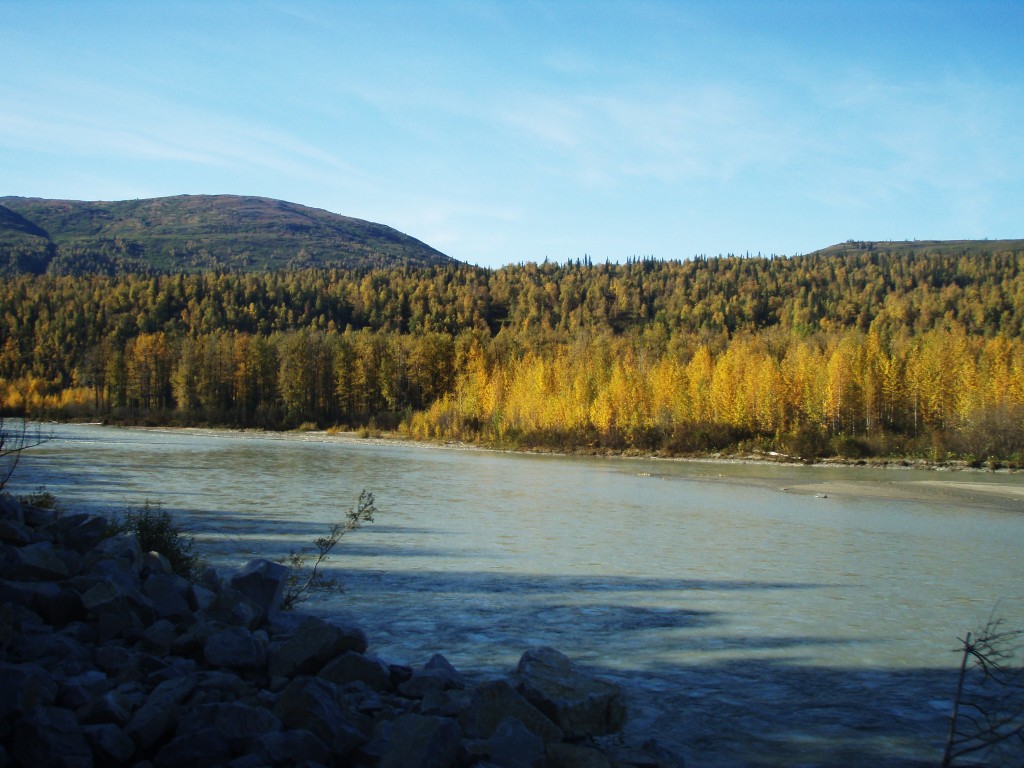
(649, 755)
(512, 745)
(35, 562)
(109, 744)
(155, 563)
(241, 724)
(263, 584)
(311, 646)
(79, 690)
(81, 532)
(236, 648)
(448, 703)
(318, 706)
(14, 532)
(295, 747)
(168, 594)
(204, 748)
(55, 604)
(495, 701)
(50, 737)
(123, 549)
(576, 756)
(160, 636)
(25, 687)
(228, 606)
(351, 667)
(111, 707)
(437, 675)
(159, 714)
(580, 704)
(420, 741)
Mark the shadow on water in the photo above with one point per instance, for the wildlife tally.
(694, 680)
(747, 701)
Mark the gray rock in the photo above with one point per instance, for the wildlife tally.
(351, 667)
(512, 745)
(420, 741)
(576, 756)
(318, 706)
(235, 648)
(50, 737)
(154, 563)
(294, 747)
(314, 643)
(448, 703)
(262, 583)
(14, 532)
(11, 508)
(579, 703)
(39, 517)
(35, 562)
(169, 595)
(436, 675)
(494, 701)
(25, 687)
(111, 707)
(116, 592)
(81, 532)
(160, 636)
(79, 690)
(123, 549)
(204, 748)
(57, 605)
(159, 714)
(241, 724)
(229, 606)
(109, 744)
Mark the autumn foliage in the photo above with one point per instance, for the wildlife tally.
(856, 355)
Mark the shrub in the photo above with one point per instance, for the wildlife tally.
(157, 532)
(306, 579)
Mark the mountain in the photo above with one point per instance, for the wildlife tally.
(921, 247)
(193, 233)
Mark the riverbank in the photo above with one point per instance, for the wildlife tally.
(862, 456)
(110, 658)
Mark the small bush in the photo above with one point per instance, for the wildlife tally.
(41, 498)
(157, 532)
(305, 579)
(306, 426)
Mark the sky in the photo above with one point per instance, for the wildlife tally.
(507, 132)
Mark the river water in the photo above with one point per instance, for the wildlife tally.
(757, 614)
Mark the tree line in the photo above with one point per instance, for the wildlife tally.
(860, 354)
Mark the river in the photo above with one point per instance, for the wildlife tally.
(757, 614)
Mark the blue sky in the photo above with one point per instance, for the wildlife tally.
(501, 132)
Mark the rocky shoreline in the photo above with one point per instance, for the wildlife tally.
(109, 658)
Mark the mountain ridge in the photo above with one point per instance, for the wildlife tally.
(196, 233)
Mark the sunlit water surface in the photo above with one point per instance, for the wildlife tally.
(757, 614)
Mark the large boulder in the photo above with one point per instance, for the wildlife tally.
(421, 741)
(236, 648)
(579, 703)
(494, 701)
(318, 706)
(313, 643)
(50, 737)
(262, 583)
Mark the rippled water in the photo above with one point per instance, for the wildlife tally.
(758, 614)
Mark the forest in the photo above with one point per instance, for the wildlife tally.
(856, 354)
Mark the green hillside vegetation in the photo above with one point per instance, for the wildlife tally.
(191, 233)
(889, 352)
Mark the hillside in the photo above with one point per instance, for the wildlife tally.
(190, 233)
(921, 247)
